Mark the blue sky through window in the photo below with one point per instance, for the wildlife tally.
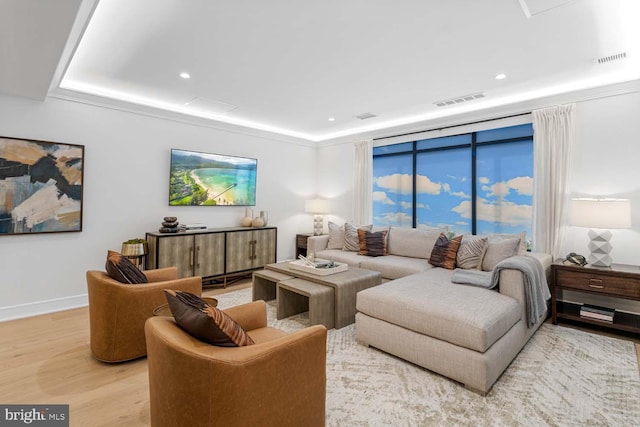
(504, 184)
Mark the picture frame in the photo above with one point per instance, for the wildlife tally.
(41, 186)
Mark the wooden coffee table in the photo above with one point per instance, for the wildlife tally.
(345, 286)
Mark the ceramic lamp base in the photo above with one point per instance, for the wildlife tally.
(600, 248)
(317, 225)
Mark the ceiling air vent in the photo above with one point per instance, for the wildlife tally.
(459, 99)
(611, 58)
(365, 116)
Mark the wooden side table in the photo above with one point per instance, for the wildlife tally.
(619, 281)
(301, 244)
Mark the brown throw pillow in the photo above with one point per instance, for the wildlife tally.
(444, 252)
(205, 322)
(121, 269)
(372, 244)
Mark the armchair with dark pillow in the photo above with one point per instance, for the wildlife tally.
(277, 380)
(117, 311)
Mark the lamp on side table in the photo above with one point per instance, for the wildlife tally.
(600, 215)
(317, 207)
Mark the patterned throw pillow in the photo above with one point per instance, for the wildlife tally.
(351, 241)
(372, 244)
(471, 252)
(444, 252)
(205, 322)
(121, 269)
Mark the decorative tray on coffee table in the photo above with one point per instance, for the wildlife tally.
(321, 267)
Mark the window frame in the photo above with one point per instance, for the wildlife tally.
(472, 145)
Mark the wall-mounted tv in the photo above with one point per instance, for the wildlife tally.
(202, 179)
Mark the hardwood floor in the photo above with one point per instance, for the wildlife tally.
(46, 360)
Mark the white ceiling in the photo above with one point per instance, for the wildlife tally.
(286, 66)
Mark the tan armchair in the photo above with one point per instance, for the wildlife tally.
(117, 311)
(278, 381)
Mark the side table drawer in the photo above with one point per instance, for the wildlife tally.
(621, 286)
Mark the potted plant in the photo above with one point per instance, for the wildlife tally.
(135, 247)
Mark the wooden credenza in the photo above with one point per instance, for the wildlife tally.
(215, 253)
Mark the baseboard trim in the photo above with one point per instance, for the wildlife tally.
(21, 311)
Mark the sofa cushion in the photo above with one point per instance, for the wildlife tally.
(336, 236)
(412, 242)
(372, 243)
(428, 303)
(393, 266)
(351, 242)
(444, 252)
(498, 251)
(522, 240)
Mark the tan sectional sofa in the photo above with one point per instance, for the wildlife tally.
(467, 333)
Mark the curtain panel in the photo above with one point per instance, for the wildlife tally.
(363, 183)
(553, 141)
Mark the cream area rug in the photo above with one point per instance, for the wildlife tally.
(563, 377)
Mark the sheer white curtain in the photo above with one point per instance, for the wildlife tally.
(363, 183)
(553, 139)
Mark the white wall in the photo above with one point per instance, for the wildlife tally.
(607, 163)
(126, 175)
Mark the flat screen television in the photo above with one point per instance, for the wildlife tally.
(202, 179)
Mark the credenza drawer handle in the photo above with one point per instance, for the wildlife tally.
(596, 283)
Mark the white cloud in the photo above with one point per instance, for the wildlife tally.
(409, 205)
(499, 189)
(522, 184)
(483, 180)
(446, 187)
(403, 184)
(460, 194)
(399, 219)
(504, 212)
(381, 196)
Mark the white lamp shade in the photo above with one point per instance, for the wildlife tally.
(316, 206)
(600, 213)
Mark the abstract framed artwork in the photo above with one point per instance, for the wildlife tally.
(41, 186)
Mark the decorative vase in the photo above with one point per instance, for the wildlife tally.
(248, 218)
(265, 217)
(257, 222)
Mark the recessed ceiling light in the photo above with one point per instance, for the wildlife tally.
(332, 119)
(501, 76)
(185, 75)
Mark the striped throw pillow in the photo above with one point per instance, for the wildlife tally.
(471, 252)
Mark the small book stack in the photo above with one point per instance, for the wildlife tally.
(597, 313)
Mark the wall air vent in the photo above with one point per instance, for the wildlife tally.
(365, 116)
(459, 99)
(611, 58)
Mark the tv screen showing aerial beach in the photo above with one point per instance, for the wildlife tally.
(201, 179)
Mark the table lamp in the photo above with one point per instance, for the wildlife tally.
(600, 215)
(317, 207)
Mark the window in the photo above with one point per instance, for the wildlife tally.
(480, 182)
